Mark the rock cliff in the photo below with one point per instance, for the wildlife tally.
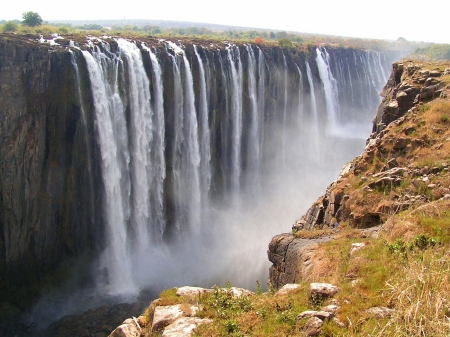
(394, 172)
(46, 217)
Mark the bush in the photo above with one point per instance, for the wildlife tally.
(259, 40)
(286, 43)
(10, 26)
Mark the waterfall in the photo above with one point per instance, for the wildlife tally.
(234, 59)
(109, 119)
(300, 97)
(330, 89)
(205, 138)
(315, 118)
(191, 156)
(187, 155)
(253, 137)
(261, 94)
(158, 223)
(141, 116)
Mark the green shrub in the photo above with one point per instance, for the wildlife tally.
(10, 26)
(286, 43)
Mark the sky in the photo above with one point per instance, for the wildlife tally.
(382, 19)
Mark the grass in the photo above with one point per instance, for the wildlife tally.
(406, 268)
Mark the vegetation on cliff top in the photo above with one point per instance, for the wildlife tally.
(271, 38)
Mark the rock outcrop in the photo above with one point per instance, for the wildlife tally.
(292, 258)
(408, 87)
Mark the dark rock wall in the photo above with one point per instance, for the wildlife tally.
(46, 213)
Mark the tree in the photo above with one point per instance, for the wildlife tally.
(31, 19)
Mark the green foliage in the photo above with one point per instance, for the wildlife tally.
(31, 19)
(298, 39)
(90, 27)
(231, 326)
(435, 52)
(316, 301)
(421, 241)
(10, 26)
(286, 43)
(444, 119)
(225, 304)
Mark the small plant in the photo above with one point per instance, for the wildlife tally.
(444, 119)
(231, 326)
(258, 288)
(316, 300)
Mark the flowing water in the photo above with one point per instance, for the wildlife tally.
(207, 152)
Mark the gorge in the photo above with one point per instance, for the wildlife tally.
(132, 165)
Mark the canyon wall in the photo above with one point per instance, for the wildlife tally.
(109, 146)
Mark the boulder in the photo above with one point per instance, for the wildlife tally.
(322, 289)
(129, 328)
(313, 327)
(312, 313)
(331, 308)
(380, 312)
(184, 327)
(192, 292)
(287, 288)
(401, 143)
(165, 315)
(356, 246)
(238, 292)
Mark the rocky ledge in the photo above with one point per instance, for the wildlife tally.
(404, 165)
(392, 153)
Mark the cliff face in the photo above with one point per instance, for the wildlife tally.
(404, 165)
(45, 214)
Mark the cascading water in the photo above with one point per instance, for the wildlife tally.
(115, 259)
(205, 139)
(234, 59)
(253, 155)
(182, 131)
(157, 152)
(330, 89)
(315, 117)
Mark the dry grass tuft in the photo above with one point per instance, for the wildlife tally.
(421, 297)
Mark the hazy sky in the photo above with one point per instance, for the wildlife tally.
(382, 19)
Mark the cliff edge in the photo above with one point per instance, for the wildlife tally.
(404, 166)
